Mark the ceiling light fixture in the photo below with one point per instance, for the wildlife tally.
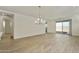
(40, 20)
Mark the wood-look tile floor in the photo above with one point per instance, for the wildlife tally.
(46, 43)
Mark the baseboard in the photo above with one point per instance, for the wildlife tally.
(30, 36)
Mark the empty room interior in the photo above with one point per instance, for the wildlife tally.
(39, 29)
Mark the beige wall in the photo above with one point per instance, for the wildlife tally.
(24, 26)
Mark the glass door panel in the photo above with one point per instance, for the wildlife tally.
(66, 27)
(59, 26)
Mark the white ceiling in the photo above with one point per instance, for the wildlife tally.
(48, 12)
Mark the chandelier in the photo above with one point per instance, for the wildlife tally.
(40, 20)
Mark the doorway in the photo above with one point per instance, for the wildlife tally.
(64, 27)
(46, 27)
(7, 24)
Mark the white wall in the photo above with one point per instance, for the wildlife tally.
(24, 26)
(75, 25)
(52, 26)
(1, 24)
(7, 24)
(7, 27)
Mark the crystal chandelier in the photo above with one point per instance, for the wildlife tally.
(39, 20)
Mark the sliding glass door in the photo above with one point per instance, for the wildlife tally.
(63, 27)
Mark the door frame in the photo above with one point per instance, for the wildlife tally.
(11, 24)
